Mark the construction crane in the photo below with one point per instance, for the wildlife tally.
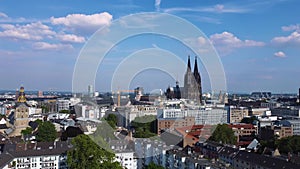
(119, 95)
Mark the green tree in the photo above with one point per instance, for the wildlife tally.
(223, 134)
(46, 132)
(38, 121)
(152, 165)
(289, 144)
(112, 120)
(26, 132)
(87, 154)
(249, 120)
(64, 111)
(144, 126)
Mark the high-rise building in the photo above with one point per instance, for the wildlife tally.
(40, 93)
(90, 90)
(192, 83)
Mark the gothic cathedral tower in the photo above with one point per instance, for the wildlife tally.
(192, 83)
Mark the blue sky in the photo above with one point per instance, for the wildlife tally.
(258, 41)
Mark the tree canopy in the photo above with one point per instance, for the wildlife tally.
(26, 131)
(152, 165)
(144, 126)
(223, 134)
(46, 132)
(249, 120)
(112, 120)
(64, 111)
(87, 154)
(289, 144)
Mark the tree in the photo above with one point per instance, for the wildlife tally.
(112, 120)
(46, 132)
(87, 154)
(70, 132)
(152, 165)
(249, 120)
(223, 134)
(289, 144)
(144, 126)
(26, 132)
(64, 111)
(39, 121)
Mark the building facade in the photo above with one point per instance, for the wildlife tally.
(236, 114)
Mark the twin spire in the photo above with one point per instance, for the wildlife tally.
(192, 82)
(189, 65)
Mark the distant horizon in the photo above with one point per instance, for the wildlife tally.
(147, 92)
(257, 42)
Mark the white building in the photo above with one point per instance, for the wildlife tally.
(127, 114)
(125, 154)
(74, 101)
(34, 110)
(210, 116)
(148, 151)
(34, 155)
(87, 111)
(62, 104)
(126, 159)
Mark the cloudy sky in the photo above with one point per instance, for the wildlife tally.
(258, 41)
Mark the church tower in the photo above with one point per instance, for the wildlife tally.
(21, 114)
(21, 96)
(192, 83)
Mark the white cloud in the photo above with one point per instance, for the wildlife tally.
(226, 42)
(291, 28)
(49, 46)
(219, 8)
(280, 54)
(82, 23)
(32, 31)
(3, 15)
(228, 39)
(70, 38)
(292, 39)
(157, 5)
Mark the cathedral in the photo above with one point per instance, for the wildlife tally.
(192, 83)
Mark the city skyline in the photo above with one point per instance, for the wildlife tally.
(257, 42)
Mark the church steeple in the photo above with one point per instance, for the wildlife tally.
(21, 98)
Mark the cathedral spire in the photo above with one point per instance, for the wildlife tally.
(196, 66)
(189, 64)
(198, 80)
